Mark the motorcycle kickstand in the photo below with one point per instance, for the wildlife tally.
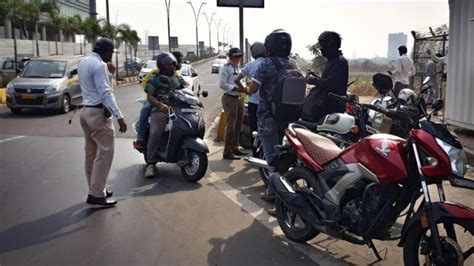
(374, 249)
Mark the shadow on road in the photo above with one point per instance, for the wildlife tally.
(44, 229)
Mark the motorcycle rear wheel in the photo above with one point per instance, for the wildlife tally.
(453, 244)
(294, 227)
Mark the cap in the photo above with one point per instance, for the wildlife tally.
(234, 52)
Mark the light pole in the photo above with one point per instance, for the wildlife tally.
(209, 21)
(224, 35)
(218, 25)
(196, 18)
(167, 3)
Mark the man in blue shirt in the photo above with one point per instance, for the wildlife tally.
(258, 53)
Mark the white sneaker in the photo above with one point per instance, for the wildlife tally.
(150, 171)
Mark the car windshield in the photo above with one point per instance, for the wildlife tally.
(44, 69)
(185, 71)
(150, 64)
(220, 61)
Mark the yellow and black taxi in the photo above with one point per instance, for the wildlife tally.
(49, 82)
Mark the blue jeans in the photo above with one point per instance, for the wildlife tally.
(143, 125)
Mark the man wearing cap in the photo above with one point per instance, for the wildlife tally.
(96, 120)
(232, 103)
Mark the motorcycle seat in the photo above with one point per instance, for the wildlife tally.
(321, 149)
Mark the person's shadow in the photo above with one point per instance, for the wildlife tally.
(45, 229)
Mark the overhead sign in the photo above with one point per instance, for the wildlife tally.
(174, 42)
(153, 43)
(201, 45)
(236, 3)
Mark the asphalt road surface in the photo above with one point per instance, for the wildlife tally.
(163, 221)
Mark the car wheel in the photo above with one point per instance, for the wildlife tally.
(66, 104)
(16, 111)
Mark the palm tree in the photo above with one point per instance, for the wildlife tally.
(91, 28)
(35, 10)
(14, 10)
(60, 23)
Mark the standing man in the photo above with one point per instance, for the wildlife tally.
(96, 119)
(404, 69)
(431, 72)
(278, 47)
(334, 79)
(232, 103)
(258, 53)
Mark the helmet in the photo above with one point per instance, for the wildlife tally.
(103, 44)
(407, 96)
(278, 43)
(165, 58)
(329, 43)
(257, 49)
(234, 52)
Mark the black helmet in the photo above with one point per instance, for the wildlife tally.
(278, 43)
(103, 44)
(330, 39)
(165, 58)
(257, 49)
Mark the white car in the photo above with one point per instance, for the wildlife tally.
(217, 64)
(190, 75)
(146, 69)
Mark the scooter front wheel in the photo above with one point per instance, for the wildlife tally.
(197, 166)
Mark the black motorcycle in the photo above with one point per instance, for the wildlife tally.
(182, 141)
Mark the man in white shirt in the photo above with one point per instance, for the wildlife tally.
(96, 121)
(404, 69)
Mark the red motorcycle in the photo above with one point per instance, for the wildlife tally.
(358, 193)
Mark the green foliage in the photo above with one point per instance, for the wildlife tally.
(318, 61)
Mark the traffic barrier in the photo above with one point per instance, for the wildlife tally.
(221, 126)
(3, 95)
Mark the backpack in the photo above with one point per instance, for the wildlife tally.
(288, 97)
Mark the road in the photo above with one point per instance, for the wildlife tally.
(162, 221)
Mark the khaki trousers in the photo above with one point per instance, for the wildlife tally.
(234, 107)
(99, 136)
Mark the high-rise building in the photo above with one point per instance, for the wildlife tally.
(394, 41)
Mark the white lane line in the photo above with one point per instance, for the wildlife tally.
(315, 253)
(209, 84)
(10, 139)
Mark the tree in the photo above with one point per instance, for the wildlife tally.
(60, 23)
(318, 61)
(35, 10)
(14, 10)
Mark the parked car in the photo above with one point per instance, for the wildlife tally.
(8, 71)
(217, 64)
(134, 63)
(190, 75)
(146, 69)
(49, 82)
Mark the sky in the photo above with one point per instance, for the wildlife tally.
(363, 25)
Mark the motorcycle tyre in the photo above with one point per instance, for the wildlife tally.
(412, 242)
(202, 167)
(309, 232)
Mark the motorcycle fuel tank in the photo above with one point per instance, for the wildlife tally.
(383, 154)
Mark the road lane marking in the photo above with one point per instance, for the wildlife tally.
(10, 139)
(209, 84)
(315, 253)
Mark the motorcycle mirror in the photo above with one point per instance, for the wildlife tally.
(438, 104)
(204, 93)
(425, 81)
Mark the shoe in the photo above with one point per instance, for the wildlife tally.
(101, 201)
(239, 153)
(139, 144)
(230, 157)
(108, 194)
(272, 212)
(150, 171)
(267, 199)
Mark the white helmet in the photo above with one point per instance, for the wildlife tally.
(407, 96)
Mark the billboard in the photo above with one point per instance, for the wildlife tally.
(174, 42)
(153, 43)
(201, 45)
(236, 3)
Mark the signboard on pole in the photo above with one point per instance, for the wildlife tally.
(153, 43)
(174, 43)
(236, 3)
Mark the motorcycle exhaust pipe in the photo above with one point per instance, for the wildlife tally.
(257, 162)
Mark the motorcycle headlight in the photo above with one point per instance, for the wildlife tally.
(51, 90)
(456, 156)
(10, 88)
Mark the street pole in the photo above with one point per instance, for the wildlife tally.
(241, 24)
(107, 9)
(196, 19)
(167, 3)
(217, 27)
(209, 22)
(224, 44)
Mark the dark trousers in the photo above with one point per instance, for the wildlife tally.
(398, 87)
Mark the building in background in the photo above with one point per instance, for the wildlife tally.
(394, 41)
